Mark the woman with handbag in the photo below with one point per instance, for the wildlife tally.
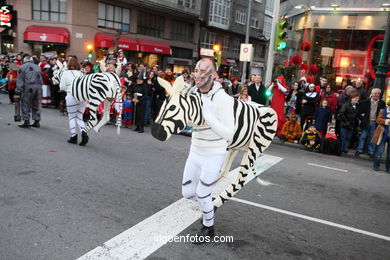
(381, 137)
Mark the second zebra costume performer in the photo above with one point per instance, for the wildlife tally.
(74, 108)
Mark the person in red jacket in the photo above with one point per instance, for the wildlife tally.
(279, 91)
(330, 96)
(45, 68)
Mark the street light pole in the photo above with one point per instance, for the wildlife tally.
(382, 68)
(270, 57)
(248, 19)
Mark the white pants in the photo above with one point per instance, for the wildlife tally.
(75, 114)
(201, 173)
(46, 98)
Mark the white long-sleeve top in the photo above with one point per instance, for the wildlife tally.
(219, 128)
(67, 79)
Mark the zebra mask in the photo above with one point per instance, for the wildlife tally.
(179, 109)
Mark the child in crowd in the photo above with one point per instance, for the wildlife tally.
(128, 111)
(291, 131)
(244, 96)
(322, 117)
(111, 55)
(330, 144)
(311, 138)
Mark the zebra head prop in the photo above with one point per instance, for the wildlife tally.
(57, 72)
(180, 108)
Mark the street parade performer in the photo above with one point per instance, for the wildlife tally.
(219, 132)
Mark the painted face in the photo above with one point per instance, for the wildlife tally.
(311, 128)
(293, 117)
(204, 74)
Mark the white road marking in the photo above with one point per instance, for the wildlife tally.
(325, 222)
(331, 168)
(139, 241)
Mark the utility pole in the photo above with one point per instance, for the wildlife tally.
(248, 20)
(382, 68)
(270, 58)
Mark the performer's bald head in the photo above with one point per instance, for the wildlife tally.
(205, 73)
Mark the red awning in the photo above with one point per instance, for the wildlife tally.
(154, 47)
(128, 44)
(55, 35)
(103, 40)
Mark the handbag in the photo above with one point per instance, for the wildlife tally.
(378, 134)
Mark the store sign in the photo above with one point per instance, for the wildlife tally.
(6, 15)
(124, 46)
(158, 50)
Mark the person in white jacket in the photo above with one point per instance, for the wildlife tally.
(75, 108)
(208, 144)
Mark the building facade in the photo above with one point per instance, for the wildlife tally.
(154, 32)
(224, 22)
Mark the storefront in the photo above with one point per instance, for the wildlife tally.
(179, 64)
(43, 39)
(339, 45)
(136, 50)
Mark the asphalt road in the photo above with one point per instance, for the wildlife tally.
(59, 201)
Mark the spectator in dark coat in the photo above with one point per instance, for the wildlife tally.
(257, 91)
(348, 116)
(322, 117)
(341, 100)
(360, 89)
(369, 110)
(330, 96)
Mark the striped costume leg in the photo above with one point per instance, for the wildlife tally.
(210, 170)
(79, 116)
(72, 106)
(106, 116)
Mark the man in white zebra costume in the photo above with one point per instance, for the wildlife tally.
(93, 88)
(222, 125)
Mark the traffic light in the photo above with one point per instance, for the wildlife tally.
(268, 93)
(89, 47)
(218, 54)
(281, 35)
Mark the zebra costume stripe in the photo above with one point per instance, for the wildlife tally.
(254, 129)
(96, 88)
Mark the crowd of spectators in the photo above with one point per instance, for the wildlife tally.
(318, 116)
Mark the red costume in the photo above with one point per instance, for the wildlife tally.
(279, 92)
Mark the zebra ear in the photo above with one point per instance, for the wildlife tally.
(166, 85)
(178, 85)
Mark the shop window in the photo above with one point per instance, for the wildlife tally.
(187, 3)
(208, 40)
(150, 24)
(114, 17)
(49, 10)
(182, 31)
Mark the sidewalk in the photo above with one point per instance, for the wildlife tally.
(351, 152)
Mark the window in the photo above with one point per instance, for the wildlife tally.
(259, 1)
(240, 17)
(255, 23)
(219, 13)
(182, 31)
(267, 27)
(187, 3)
(257, 50)
(114, 17)
(150, 24)
(236, 46)
(49, 10)
(208, 40)
(226, 44)
(269, 7)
